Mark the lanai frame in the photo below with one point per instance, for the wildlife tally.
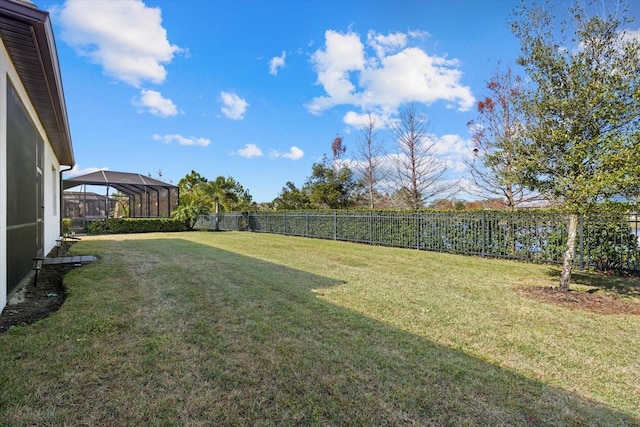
(142, 192)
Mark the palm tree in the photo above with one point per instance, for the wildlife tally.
(221, 194)
(191, 208)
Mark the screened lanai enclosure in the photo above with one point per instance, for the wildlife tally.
(126, 195)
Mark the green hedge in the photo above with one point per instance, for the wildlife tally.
(134, 225)
(607, 241)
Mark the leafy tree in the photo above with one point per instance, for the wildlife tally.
(583, 140)
(220, 193)
(198, 196)
(291, 198)
(419, 172)
(189, 183)
(401, 199)
(192, 199)
(496, 136)
(330, 187)
(243, 201)
(449, 204)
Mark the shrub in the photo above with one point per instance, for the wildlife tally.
(134, 225)
(609, 244)
(66, 225)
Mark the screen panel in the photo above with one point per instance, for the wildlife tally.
(25, 227)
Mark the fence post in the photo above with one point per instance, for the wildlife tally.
(417, 216)
(284, 223)
(484, 220)
(335, 225)
(370, 227)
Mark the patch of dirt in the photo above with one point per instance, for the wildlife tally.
(595, 301)
(35, 301)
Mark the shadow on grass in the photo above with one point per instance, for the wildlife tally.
(618, 284)
(265, 349)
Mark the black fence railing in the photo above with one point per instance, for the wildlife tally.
(605, 242)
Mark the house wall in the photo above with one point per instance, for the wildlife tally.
(50, 177)
(51, 188)
(52, 208)
(3, 175)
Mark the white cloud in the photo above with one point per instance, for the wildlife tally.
(126, 38)
(294, 153)
(418, 34)
(384, 44)
(394, 73)
(361, 120)
(155, 104)
(249, 150)
(233, 106)
(181, 140)
(452, 148)
(343, 54)
(413, 75)
(276, 63)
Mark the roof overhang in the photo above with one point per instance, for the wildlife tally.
(27, 35)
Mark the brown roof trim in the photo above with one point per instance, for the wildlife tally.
(28, 37)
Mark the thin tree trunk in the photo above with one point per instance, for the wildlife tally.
(217, 216)
(567, 261)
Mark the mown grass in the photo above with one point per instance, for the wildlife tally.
(247, 329)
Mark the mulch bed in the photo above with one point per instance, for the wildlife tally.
(38, 300)
(598, 302)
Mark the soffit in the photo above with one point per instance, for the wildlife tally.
(28, 37)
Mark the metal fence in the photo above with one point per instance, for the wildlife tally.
(605, 242)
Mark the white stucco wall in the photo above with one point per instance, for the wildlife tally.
(52, 211)
(3, 175)
(51, 207)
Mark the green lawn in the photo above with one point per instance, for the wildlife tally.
(232, 328)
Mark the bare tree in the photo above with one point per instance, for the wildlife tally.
(496, 136)
(368, 159)
(419, 171)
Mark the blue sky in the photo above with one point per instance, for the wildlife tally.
(257, 90)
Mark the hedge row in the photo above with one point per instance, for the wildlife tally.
(134, 225)
(607, 242)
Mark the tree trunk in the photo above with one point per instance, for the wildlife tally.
(509, 193)
(567, 261)
(217, 228)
